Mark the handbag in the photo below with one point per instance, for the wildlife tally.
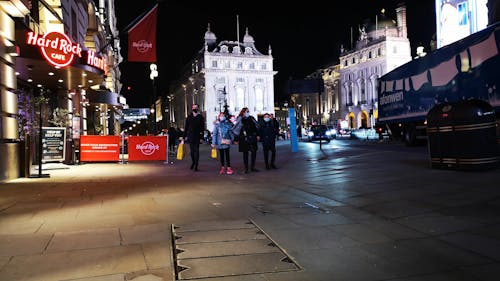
(226, 141)
(213, 154)
(180, 151)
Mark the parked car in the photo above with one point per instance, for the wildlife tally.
(319, 132)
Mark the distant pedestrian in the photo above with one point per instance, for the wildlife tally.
(222, 138)
(268, 138)
(172, 138)
(247, 130)
(193, 134)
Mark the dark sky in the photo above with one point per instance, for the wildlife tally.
(303, 37)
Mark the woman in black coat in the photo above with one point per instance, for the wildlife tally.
(247, 130)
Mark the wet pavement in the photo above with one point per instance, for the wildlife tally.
(357, 210)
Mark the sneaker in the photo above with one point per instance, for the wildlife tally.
(222, 170)
(229, 171)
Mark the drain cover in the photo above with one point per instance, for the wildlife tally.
(208, 250)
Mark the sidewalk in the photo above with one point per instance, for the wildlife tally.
(353, 211)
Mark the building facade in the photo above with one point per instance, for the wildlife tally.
(380, 48)
(324, 108)
(227, 75)
(60, 71)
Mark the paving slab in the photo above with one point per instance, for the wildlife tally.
(23, 244)
(74, 264)
(84, 239)
(145, 233)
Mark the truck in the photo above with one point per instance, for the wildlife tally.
(466, 69)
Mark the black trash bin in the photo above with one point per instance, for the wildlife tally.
(462, 136)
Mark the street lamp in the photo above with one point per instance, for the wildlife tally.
(152, 76)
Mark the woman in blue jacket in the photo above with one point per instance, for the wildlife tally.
(222, 138)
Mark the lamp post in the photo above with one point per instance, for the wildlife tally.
(152, 76)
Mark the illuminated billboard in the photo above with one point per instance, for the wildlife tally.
(456, 19)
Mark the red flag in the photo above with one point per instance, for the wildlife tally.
(142, 38)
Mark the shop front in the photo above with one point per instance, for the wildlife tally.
(56, 80)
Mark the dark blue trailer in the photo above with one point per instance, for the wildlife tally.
(466, 69)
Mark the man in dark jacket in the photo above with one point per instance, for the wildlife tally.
(268, 138)
(193, 134)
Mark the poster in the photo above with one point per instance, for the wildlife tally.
(53, 144)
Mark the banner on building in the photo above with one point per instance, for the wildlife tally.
(99, 148)
(142, 38)
(144, 148)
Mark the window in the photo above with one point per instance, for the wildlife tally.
(370, 54)
(214, 64)
(240, 97)
(259, 80)
(259, 99)
(252, 65)
(240, 65)
(263, 66)
(379, 52)
(345, 63)
(228, 64)
(220, 80)
(353, 60)
(240, 80)
(363, 91)
(395, 49)
(224, 49)
(349, 94)
(74, 25)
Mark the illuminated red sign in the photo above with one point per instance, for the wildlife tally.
(99, 148)
(56, 47)
(96, 61)
(147, 148)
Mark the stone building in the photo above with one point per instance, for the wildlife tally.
(226, 74)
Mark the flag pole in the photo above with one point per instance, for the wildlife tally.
(238, 29)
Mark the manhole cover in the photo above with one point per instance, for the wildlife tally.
(234, 248)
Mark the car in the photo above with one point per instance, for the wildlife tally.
(319, 132)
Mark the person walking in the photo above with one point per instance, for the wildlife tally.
(172, 138)
(247, 130)
(193, 134)
(268, 138)
(222, 138)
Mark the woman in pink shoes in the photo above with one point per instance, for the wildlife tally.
(222, 138)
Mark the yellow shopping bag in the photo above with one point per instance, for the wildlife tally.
(213, 154)
(180, 151)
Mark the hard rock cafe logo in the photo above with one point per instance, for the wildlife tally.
(56, 47)
(142, 46)
(147, 147)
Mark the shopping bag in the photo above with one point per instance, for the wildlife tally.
(180, 151)
(213, 154)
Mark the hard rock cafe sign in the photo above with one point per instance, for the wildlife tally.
(60, 51)
(56, 47)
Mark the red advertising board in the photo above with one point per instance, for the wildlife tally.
(142, 148)
(99, 148)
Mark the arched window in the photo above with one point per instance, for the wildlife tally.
(240, 98)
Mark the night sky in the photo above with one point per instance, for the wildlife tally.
(303, 37)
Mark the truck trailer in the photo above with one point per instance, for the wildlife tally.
(466, 69)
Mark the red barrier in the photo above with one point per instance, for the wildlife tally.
(144, 148)
(99, 148)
